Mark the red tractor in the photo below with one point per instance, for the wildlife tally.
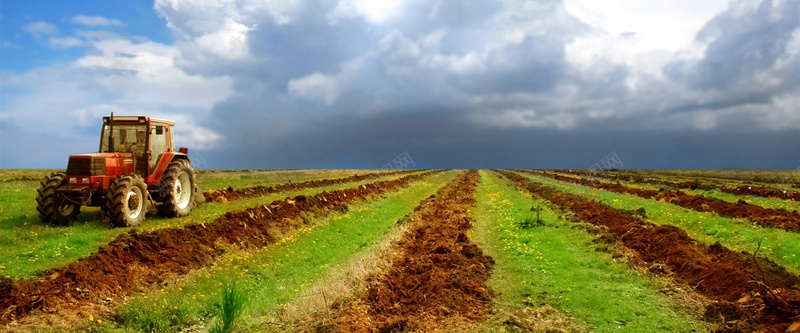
(137, 163)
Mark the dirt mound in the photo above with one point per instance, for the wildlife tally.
(229, 194)
(714, 271)
(741, 209)
(437, 276)
(135, 259)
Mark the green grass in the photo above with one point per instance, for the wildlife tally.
(771, 203)
(28, 246)
(7, 175)
(768, 178)
(277, 274)
(556, 264)
(216, 179)
(779, 245)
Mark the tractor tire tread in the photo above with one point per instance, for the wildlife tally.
(114, 208)
(168, 206)
(46, 203)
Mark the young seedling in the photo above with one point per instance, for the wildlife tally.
(530, 221)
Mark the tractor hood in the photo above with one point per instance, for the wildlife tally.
(100, 155)
(98, 164)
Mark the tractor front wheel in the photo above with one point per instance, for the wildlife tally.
(178, 187)
(126, 202)
(54, 208)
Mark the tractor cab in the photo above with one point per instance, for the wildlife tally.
(146, 139)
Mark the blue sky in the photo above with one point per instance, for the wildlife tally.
(21, 52)
(354, 83)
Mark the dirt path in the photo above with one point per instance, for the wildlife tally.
(137, 259)
(229, 194)
(752, 295)
(741, 209)
(436, 275)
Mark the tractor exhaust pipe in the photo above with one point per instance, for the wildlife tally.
(111, 133)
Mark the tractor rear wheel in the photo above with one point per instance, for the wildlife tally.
(126, 201)
(198, 193)
(54, 208)
(178, 187)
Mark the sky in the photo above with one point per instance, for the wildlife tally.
(445, 83)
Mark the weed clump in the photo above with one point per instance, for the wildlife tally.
(229, 309)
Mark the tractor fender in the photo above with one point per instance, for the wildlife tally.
(166, 159)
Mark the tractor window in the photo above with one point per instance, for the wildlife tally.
(172, 137)
(158, 145)
(127, 138)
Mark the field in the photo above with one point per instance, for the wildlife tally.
(418, 250)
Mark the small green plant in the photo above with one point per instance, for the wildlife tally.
(530, 221)
(230, 309)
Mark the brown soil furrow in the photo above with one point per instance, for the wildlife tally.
(760, 294)
(229, 194)
(753, 190)
(741, 209)
(138, 259)
(760, 191)
(436, 276)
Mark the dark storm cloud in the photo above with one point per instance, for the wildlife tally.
(748, 57)
(400, 91)
(741, 46)
(446, 142)
(534, 65)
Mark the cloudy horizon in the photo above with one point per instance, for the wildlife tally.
(455, 84)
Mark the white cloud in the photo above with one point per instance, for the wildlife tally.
(525, 118)
(659, 25)
(40, 28)
(117, 76)
(67, 42)
(317, 87)
(644, 35)
(145, 74)
(229, 43)
(96, 21)
(374, 11)
(189, 133)
(96, 34)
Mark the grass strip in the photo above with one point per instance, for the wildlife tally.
(214, 179)
(556, 263)
(230, 194)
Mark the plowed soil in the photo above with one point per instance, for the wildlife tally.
(755, 295)
(754, 190)
(229, 194)
(138, 259)
(741, 209)
(762, 192)
(437, 275)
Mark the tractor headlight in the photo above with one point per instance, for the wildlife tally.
(73, 180)
(85, 180)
